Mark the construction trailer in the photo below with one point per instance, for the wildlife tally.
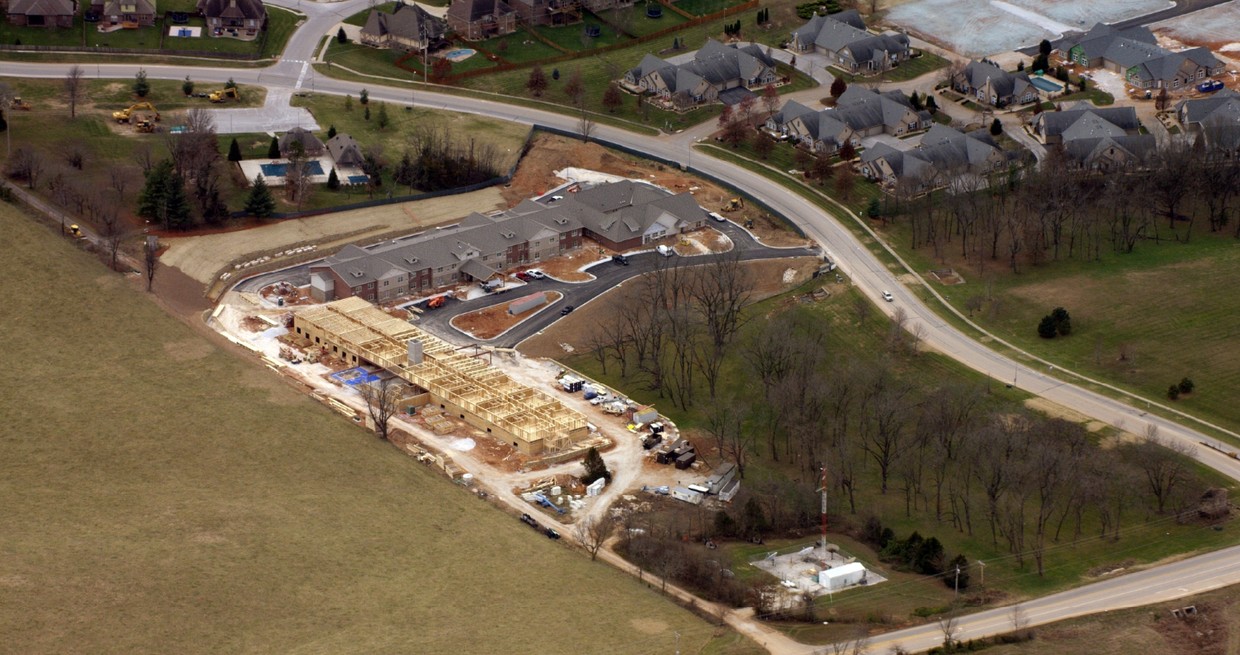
(721, 477)
(461, 384)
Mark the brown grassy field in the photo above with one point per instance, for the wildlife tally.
(163, 495)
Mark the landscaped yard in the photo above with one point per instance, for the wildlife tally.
(165, 494)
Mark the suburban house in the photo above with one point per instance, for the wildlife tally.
(129, 13)
(944, 153)
(993, 86)
(843, 38)
(618, 215)
(233, 17)
(1216, 119)
(41, 13)
(716, 70)
(1095, 138)
(345, 151)
(310, 144)
(547, 12)
(858, 113)
(408, 28)
(475, 20)
(1135, 54)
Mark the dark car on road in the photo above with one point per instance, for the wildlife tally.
(551, 534)
(620, 260)
(529, 520)
(567, 310)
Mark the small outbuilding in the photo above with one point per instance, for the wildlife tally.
(840, 577)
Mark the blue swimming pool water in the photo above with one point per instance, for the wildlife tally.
(358, 179)
(280, 170)
(460, 54)
(1045, 84)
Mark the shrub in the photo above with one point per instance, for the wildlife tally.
(1186, 385)
(1173, 392)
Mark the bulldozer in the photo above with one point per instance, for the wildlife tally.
(143, 123)
(18, 103)
(76, 232)
(123, 115)
(734, 204)
(224, 93)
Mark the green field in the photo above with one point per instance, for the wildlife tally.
(164, 494)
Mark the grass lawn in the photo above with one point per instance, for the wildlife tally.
(518, 48)
(173, 497)
(1097, 96)
(635, 21)
(360, 17)
(704, 7)
(573, 38)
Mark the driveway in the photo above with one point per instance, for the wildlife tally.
(895, 142)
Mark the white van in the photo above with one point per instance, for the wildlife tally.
(666, 251)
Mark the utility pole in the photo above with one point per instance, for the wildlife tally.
(677, 643)
(823, 490)
(982, 564)
(957, 595)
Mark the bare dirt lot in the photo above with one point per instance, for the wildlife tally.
(493, 321)
(771, 277)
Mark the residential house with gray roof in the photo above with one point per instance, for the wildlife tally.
(843, 38)
(1093, 138)
(311, 146)
(475, 20)
(409, 28)
(1134, 53)
(1215, 118)
(41, 13)
(345, 151)
(993, 86)
(233, 17)
(943, 154)
(125, 12)
(716, 68)
(858, 113)
(619, 215)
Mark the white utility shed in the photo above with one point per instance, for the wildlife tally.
(840, 577)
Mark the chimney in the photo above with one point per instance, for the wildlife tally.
(415, 352)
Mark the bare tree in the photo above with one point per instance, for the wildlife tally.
(948, 625)
(26, 164)
(1165, 465)
(1020, 620)
(112, 229)
(150, 260)
(73, 88)
(726, 423)
(382, 400)
(585, 124)
(593, 532)
(145, 157)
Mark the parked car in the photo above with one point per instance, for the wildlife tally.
(551, 533)
(567, 310)
(620, 260)
(718, 217)
(523, 276)
(555, 198)
(529, 520)
(535, 274)
(666, 251)
(888, 297)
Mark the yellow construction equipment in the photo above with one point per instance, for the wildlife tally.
(76, 232)
(225, 93)
(18, 103)
(143, 123)
(734, 204)
(123, 115)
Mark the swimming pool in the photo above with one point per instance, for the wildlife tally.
(1045, 84)
(460, 54)
(359, 179)
(313, 167)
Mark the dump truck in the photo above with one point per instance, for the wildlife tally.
(123, 115)
(224, 94)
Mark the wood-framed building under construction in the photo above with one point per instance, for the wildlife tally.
(360, 333)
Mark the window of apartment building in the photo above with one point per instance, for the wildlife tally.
(385, 283)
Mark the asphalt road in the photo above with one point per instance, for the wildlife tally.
(868, 274)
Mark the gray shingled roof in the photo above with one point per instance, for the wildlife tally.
(942, 149)
(472, 10)
(406, 21)
(1224, 104)
(715, 63)
(1086, 149)
(249, 9)
(42, 7)
(1056, 123)
(113, 7)
(1004, 83)
(345, 150)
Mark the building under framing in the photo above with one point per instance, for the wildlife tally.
(358, 332)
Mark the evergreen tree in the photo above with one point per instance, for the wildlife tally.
(163, 198)
(996, 127)
(341, 37)
(348, 102)
(331, 131)
(874, 210)
(234, 151)
(4, 122)
(366, 112)
(273, 151)
(333, 182)
(364, 97)
(260, 202)
(230, 84)
(141, 87)
(915, 98)
(382, 118)
(838, 87)
(187, 87)
(595, 467)
(931, 103)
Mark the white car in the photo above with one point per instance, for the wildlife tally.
(536, 274)
(717, 216)
(666, 251)
(555, 198)
(888, 297)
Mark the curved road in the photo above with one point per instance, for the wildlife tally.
(868, 273)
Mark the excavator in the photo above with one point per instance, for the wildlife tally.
(123, 115)
(224, 93)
